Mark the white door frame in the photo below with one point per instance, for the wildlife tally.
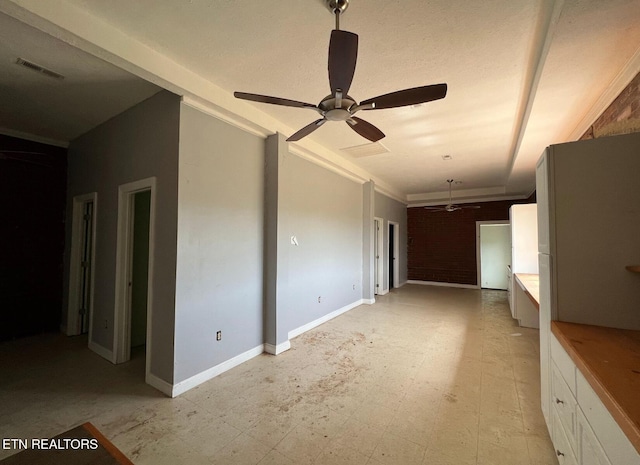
(75, 270)
(378, 224)
(478, 255)
(396, 253)
(124, 251)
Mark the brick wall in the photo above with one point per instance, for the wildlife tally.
(621, 117)
(442, 245)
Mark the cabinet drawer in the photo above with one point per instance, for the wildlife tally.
(589, 449)
(614, 442)
(565, 404)
(560, 442)
(565, 364)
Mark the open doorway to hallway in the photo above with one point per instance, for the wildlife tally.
(135, 239)
(493, 250)
(82, 265)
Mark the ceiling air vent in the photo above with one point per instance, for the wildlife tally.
(366, 150)
(38, 68)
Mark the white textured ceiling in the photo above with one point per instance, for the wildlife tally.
(522, 74)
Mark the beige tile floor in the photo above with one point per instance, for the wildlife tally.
(427, 375)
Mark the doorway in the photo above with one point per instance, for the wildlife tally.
(139, 269)
(378, 254)
(82, 265)
(394, 235)
(493, 254)
(134, 269)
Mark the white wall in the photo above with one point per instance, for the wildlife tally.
(219, 282)
(139, 143)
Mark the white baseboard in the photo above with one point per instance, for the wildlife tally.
(101, 351)
(189, 383)
(275, 350)
(436, 283)
(159, 384)
(383, 292)
(324, 319)
(368, 301)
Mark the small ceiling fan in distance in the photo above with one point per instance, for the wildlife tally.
(339, 105)
(451, 207)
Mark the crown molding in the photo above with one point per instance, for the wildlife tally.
(613, 90)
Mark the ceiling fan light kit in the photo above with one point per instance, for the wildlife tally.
(339, 105)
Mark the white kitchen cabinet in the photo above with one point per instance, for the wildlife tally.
(615, 444)
(590, 451)
(588, 195)
(582, 429)
(524, 257)
(561, 443)
(545, 334)
(542, 197)
(588, 228)
(565, 404)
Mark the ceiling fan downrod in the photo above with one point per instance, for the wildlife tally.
(337, 7)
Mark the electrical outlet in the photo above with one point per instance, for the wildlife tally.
(354, 287)
(319, 299)
(219, 336)
(106, 324)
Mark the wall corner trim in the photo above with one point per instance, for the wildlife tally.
(101, 351)
(206, 375)
(276, 350)
(159, 384)
(324, 319)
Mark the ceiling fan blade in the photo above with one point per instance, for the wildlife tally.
(365, 129)
(435, 209)
(406, 97)
(273, 100)
(308, 129)
(468, 206)
(343, 54)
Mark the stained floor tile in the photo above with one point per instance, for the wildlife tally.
(427, 375)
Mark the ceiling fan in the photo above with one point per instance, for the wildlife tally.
(33, 158)
(339, 105)
(450, 207)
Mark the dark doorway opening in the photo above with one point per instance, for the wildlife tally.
(140, 271)
(32, 201)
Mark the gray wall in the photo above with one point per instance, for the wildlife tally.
(392, 210)
(324, 211)
(219, 283)
(140, 143)
(368, 241)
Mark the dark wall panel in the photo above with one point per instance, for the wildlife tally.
(32, 207)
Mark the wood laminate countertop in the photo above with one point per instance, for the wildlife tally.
(609, 359)
(530, 283)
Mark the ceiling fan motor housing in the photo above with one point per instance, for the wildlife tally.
(335, 109)
(337, 6)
